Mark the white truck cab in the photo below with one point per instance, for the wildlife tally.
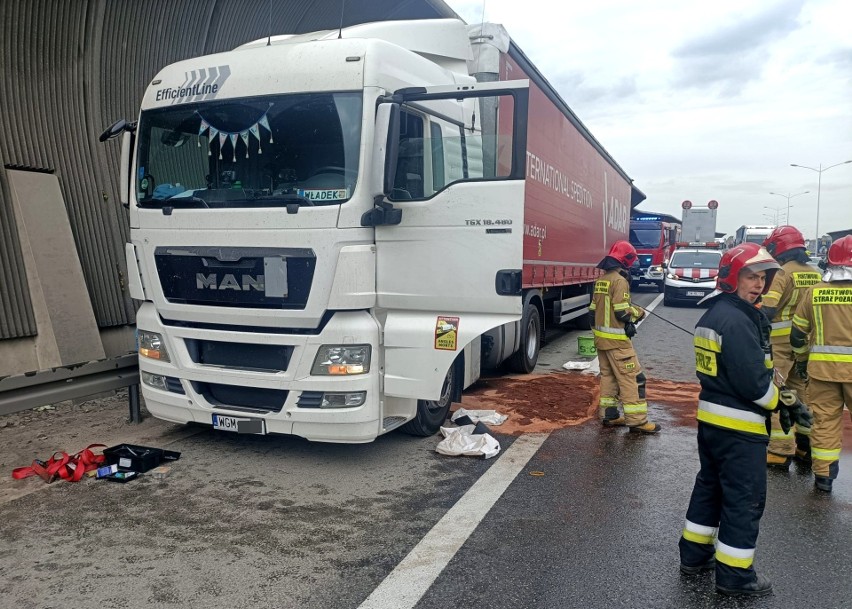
(309, 215)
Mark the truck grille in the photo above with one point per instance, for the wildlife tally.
(250, 277)
(241, 356)
(239, 397)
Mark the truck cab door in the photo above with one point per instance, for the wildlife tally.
(450, 269)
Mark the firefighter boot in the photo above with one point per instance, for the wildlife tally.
(803, 448)
(823, 484)
(612, 418)
(697, 569)
(778, 461)
(646, 427)
(761, 586)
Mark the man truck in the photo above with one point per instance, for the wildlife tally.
(332, 233)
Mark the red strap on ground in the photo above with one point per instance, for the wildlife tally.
(61, 465)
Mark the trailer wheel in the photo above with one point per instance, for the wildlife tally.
(525, 358)
(431, 414)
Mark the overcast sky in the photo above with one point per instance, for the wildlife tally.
(710, 100)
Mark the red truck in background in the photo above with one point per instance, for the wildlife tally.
(577, 203)
(654, 239)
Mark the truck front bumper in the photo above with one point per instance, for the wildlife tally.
(283, 393)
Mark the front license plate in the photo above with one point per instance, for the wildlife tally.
(238, 425)
(695, 294)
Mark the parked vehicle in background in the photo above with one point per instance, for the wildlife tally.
(654, 240)
(815, 262)
(749, 233)
(332, 233)
(699, 222)
(691, 272)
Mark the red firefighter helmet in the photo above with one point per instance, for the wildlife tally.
(840, 252)
(744, 255)
(783, 239)
(623, 252)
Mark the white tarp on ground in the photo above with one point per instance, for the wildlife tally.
(489, 417)
(461, 441)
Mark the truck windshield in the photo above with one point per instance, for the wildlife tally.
(266, 151)
(645, 237)
(696, 260)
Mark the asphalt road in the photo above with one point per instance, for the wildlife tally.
(583, 517)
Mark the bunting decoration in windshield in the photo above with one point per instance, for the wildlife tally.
(214, 134)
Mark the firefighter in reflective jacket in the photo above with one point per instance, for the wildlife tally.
(613, 320)
(733, 362)
(787, 246)
(822, 341)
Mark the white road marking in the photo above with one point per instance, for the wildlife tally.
(408, 582)
(650, 308)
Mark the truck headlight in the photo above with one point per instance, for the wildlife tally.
(156, 381)
(151, 345)
(343, 400)
(341, 360)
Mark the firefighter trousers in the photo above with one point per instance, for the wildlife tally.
(726, 504)
(780, 443)
(827, 400)
(622, 381)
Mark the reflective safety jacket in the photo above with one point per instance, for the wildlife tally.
(733, 361)
(785, 293)
(822, 331)
(611, 308)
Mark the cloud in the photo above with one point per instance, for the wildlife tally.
(585, 93)
(729, 57)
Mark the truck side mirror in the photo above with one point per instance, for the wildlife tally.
(385, 148)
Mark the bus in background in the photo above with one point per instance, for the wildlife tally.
(654, 240)
(749, 233)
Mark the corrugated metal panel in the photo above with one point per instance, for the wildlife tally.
(76, 66)
(16, 311)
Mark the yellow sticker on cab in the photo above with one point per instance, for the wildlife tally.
(447, 333)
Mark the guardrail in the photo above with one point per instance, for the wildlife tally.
(33, 389)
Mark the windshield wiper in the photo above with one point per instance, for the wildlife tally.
(172, 202)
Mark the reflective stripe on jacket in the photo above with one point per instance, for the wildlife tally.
(823, 324)
(784, 294)
(733, 362)
(611, 295)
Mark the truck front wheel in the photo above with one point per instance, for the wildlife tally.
(431, 414)
(526, 357)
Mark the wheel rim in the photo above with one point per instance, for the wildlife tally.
(532, 338)
(446, 391)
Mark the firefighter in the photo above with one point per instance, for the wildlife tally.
(787, 246)
(613, 320)
(738, 392)
(822, 341)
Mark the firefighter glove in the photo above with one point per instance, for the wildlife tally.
(785, 419)
(794, 409)
(630, 329)
(801, 367)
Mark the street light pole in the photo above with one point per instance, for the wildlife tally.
(788, 196)
(819, 187)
